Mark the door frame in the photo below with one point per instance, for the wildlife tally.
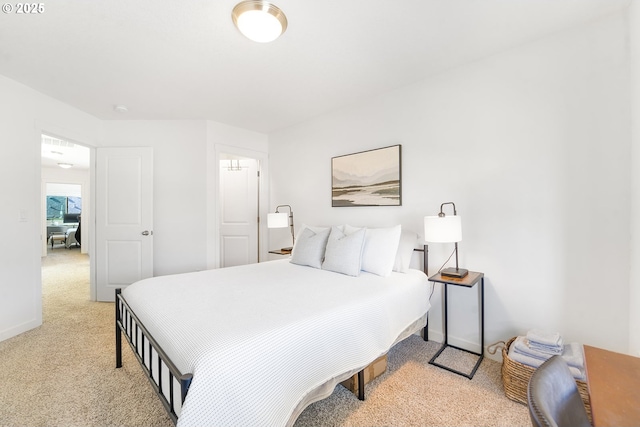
(213, 196)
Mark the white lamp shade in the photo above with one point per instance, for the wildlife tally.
(278, 220)
(442, 229)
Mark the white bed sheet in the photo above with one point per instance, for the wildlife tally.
(259, 338)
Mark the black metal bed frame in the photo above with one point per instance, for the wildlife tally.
(147, 350)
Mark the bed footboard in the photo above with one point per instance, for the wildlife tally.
(167, 381)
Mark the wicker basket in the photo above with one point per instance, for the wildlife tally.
(515, 379)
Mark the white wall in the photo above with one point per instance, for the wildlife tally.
(63, 187)
(634, 282)
(179, 187)
(533, 146)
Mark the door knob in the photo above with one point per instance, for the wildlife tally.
(147, 232)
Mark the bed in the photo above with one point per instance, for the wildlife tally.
(256, 344)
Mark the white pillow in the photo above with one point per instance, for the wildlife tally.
(310, 246)
(406, 246)
(313, 228)
(344, 252)
(380, 248)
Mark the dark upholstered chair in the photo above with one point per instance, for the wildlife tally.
(553, 396)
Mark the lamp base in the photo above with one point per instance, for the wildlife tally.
(454, 272)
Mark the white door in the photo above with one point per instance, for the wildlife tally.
(124, 218)
(238, 212)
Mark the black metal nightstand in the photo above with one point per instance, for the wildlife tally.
(468, 281)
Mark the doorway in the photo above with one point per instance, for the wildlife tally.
(65, 188)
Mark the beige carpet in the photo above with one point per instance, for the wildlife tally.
(62, 374)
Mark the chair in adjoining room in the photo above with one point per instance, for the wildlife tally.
(71, 238)
(553, 396)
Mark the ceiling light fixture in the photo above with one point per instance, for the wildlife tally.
(259, 20)
(120, 109)
(65, 165)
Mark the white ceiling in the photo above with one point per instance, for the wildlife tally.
(185, 59)
(55, 151)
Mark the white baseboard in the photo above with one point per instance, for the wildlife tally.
(19, 329)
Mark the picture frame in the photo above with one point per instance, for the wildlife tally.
(367, 178)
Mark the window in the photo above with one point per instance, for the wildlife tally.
(59, 206)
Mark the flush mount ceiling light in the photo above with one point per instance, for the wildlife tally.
(258, 20)
(65, 165)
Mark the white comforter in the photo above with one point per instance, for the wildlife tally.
(259, 338)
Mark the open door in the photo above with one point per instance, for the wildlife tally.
(124, 218)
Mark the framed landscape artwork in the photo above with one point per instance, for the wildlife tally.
(368, 178)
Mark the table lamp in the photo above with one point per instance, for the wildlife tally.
(282, 220)
(445, 229)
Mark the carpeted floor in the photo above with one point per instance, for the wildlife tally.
(63, 374)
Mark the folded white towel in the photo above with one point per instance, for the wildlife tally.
(573, 354)
(552, 339)
(578, 373)
(547, 349)
(522, 346)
